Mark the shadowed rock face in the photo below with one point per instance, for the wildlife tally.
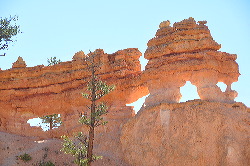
(187, 52)
(214, 129)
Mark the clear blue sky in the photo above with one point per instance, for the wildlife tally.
(61, 28)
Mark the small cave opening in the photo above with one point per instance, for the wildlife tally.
(138, 104)
(47, 122)
(189, 92)
(222, 86)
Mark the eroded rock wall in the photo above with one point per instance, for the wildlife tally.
(192, 133)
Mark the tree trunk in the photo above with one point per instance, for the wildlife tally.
(90, 145)
(92, 117)
(91, 135)
(50, 124)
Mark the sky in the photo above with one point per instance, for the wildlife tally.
(61, 28)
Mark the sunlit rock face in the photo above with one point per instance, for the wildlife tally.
(20, 63)
(187, 52)
(30, 92)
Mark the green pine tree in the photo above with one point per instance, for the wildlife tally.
(83, 150)
(7, 31)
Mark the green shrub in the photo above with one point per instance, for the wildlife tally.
(25, 157)
(46, 163)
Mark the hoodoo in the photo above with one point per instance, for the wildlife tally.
(187, 52)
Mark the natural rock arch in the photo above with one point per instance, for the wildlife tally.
(187, 52)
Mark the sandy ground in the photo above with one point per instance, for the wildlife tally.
(12, 145)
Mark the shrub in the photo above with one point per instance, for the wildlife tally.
(47, 163)
(25, 157)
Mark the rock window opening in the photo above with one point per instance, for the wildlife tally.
(189, 92)
(35, 122)
(222, 86)
(47, 122)
(138, 104)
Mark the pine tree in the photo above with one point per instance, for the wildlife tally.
(83, 151)
(8, 31)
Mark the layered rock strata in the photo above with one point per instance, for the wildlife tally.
(187, 52)
(30, 92)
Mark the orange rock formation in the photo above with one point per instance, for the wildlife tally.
(187, 52)
(37, 91)
(214, 130)
(19, 63)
